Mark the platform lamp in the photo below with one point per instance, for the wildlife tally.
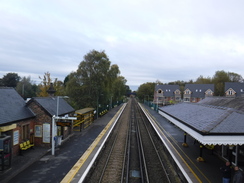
(53, 123)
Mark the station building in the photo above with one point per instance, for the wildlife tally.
(27, 124)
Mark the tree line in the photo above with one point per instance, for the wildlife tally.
(95, 82)
(146, 90)
(98, 82)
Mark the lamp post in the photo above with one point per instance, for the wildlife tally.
(53, 124)
(98, 103)
(111, 102)
(53, 141)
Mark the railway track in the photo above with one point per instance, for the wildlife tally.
(132, 153)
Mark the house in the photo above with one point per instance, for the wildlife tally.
(197, 92)
(234, 89)
(164, 94)
(16, 124)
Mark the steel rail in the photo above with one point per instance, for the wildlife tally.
(153, 143)
(144, 171)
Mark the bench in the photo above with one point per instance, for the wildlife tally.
(25, 145)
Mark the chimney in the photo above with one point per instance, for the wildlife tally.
(51, 90)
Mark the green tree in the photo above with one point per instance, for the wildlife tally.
(146, 91)
(119, 88)
(45, 84)
(234, 77)
(26, 88)
(10, 80)
(202, 80)
(219, 79)
(93, 82)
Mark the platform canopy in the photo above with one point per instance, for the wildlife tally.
(217, 125)
(85, 110)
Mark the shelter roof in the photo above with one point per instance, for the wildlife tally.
(12, 106)
(236, 103)
(208, 123)
(85, 110)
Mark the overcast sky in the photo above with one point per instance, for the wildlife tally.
(148, 39)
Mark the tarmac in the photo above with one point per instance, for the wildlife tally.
(39, 154)
(77, 144)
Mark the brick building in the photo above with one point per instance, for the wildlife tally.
(16, 120)
(21, 122)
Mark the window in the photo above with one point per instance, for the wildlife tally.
(187, 91)
(230, 92)
(177, 92)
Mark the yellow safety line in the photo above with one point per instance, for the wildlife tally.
(171, 137)
(73, 171)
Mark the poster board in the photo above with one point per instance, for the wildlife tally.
(38, 131)
(46, 133)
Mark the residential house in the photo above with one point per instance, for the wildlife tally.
(197, 92)
(234, 89)
(164, 94)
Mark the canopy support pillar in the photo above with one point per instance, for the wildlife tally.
(200, 158)
(185, 143)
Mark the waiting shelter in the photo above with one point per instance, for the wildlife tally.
(216, 123)
(84, 118)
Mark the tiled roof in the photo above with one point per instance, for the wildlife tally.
(207, 119)
(198, 90)
(236, 103)
(12, 106)
(168, 90)
(237, 87)
(50, 105)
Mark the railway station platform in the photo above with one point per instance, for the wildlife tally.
(36, 161)
(207, 171)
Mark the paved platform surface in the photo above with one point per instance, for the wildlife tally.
(39, 165)
(207, 171)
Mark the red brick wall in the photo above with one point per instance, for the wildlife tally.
(41, 117)
(20, 124)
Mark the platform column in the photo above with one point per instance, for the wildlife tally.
(185, 144)
(200, 158)
(230, 153)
